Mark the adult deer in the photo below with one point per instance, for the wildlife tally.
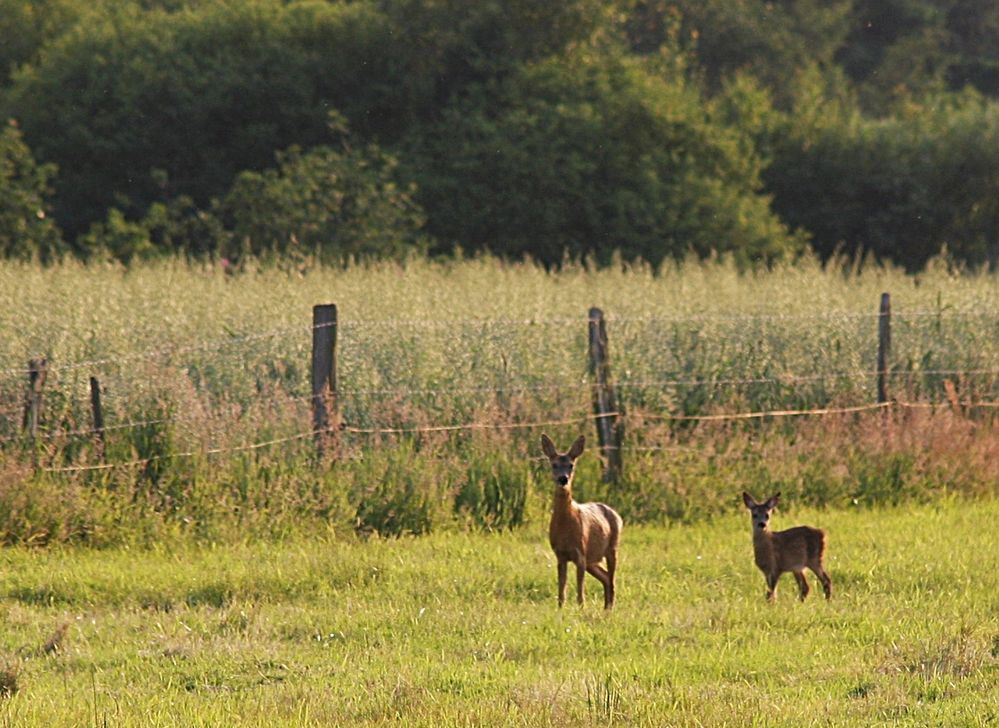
(582, 533)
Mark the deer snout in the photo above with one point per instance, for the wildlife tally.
(562, 480)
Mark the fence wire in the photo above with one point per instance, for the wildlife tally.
(440, 372)
(471, 426)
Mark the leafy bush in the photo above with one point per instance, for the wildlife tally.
(26, 229)
(588, 156)
(26, 27)
(771, 41)
(444, 47)
(325, 203)
(200, 94)
(321, 203)
(903, 188)
(117, 238)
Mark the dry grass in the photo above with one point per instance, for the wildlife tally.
(194, 361)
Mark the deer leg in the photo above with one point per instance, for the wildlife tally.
(772, 586)
(824, 578)
(580, 573)
(604, 578)
(611, 568)
(563, 567)
(802, 584)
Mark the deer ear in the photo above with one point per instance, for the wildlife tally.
(748, 499)
(577, 447)
(774, 499)
(548, 447)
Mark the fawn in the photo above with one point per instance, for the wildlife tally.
(791, 550)
(583, 533)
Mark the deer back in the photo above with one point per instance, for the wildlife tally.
(799, 546)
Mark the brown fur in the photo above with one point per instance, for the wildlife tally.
(792, 550)
(582, 533)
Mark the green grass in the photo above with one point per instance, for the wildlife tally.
(462, 629)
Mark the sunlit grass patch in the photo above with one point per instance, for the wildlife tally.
(457, 628)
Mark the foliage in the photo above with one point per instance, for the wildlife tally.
(324, 203)
(929, 182)
(200, 94)
(899, 49)
(446, 46)
(26, 228)
(321, 204)
(117, 239)
(180, 226)
(27, 27)
(621, 160)
(640, 128)
(772, 41)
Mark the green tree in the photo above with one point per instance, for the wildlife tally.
(591, 156)
(974, 45)
(325, 203)
(26, 227)
(772, 41)
(903, 188)
(200, 94)
(902, 49)
(26, 27)
(448, 45)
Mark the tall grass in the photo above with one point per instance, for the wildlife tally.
(193, 360)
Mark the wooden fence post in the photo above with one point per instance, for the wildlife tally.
(98, 416)
(325, 411)
(884, 347)
(610, 428)
(37, 371)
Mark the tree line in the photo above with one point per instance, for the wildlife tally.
(645, 129)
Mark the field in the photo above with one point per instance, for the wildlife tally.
(447, 336)
(448, 372)
(462, 629)
(212, 570)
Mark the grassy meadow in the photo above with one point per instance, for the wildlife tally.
(457, 629)
(212, 579)
(201, 368)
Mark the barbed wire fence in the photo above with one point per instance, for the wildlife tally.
(333, 392)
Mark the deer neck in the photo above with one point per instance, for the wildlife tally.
(563, 506)
(763, 546)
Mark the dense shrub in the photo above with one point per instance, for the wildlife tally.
(586, 157)
(530, 127)
(903, 188)
(26, 229)
(325, 203)
(201, 94)
(770, 40)
(26, 27)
